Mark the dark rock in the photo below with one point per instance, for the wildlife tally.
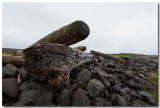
(148, 98)
(79, 90)
(128, 73)
(140, 75)
(117, 100)
(99, 102)
(72, 86)
(24, 74)
(79, 99)
(44, 99)
(82, 85)
(101, 78)
(133, 93)
(20, 103)
(106, 94)
(25, 86)
(3, 76)
(116, 88)
(138, 103)
(28, 97)
(125, 90)
(83, 75)
(108, 103)
(134, 85)
(94, 88)
(10, 70)
(126, 97)
(44, 103)
(63, 98)
(10, 88)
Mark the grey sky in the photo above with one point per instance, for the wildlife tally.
(114, 27)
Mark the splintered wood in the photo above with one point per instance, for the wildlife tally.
(53, 62)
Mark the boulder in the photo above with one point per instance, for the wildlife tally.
(83, 75)
(28, 98)
(10, 70)
(79, 99)
(25, 86)
(117, 100)
(24, 74)
(99, 102)
(63, 98)
(148, 98)
(116, 88)
(94, 88)
(79, 90)
(10, 88)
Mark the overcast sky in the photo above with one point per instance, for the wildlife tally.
(114, 27)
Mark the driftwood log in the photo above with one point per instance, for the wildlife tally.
(82, 48)
(53, 62)
(106, 56)
(68, 35)
(15, 60)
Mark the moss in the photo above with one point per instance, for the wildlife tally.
(7, 54)
(122, 55)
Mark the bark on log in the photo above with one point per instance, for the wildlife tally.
(68, 35)
(106, 56)
(53, 62)
(15, 60)
(82, 48)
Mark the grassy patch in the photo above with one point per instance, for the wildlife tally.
(122, 55)
(7, 54)
(153, 79)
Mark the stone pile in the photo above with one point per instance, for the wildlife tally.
(97, 83)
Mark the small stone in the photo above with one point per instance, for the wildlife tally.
(140, 75)
(117, 100)
(99, 102)
(106, 94)
(73, 86)
(116, 88)
(128, 73)
(25, 86)
(148, 98)
(83, 75)
(101, 78)
(134, 85)
(94, 88)
(125, 90)
(10, 88)
(24, 74)
(44, 98)
(10, 70)
(108, 103)
(29, 97)
(79, 99)
(63, 98)
(79, 90)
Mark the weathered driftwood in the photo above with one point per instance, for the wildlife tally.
(53, 62)
(15, 60)
(106, 56)
(18, 53)
(82, 48)
(68, 35)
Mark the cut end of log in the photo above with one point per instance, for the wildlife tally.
(82, 29)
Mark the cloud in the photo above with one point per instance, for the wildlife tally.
(115, 27)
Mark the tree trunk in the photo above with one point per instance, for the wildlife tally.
(68, 35)
(53, 62)
(15, 60)
(106, 56)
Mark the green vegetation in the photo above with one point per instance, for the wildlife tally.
(122, 55)
(7, 54)
(153, 80)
